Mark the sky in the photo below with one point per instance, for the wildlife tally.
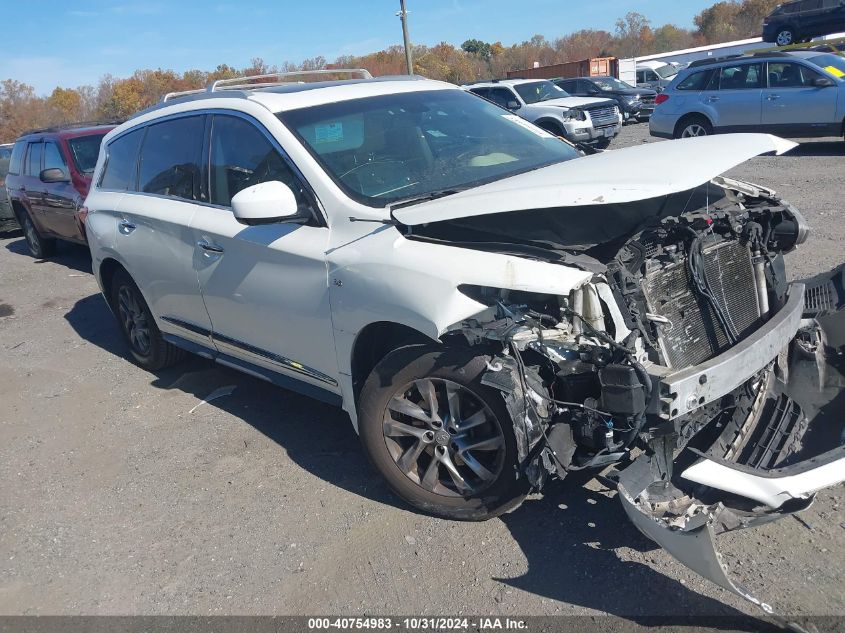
(78, 42)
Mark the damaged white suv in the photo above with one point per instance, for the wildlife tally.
(490, 308)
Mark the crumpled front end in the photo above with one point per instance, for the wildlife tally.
(686, 354)
(780, 443)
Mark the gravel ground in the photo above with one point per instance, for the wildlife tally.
(121, 495)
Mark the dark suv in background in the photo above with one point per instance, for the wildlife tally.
(49, 176)
(802, 20)
(7, 217)
(634, 103)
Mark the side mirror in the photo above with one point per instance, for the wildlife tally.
(513, 104)
(822, 82)
(54, 174)
(265, 203)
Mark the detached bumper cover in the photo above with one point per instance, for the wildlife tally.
(783, 443)
(771, 487)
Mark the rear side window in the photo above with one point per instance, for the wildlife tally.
(33, 159)
(170, 158)
(122, 159)
(569, 86)
(242, 156)
(696, 81)
(17, 158)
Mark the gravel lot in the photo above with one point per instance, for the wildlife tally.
(123, 494)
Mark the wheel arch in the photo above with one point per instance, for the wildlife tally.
(547, 122)
(689, 116)
(375, 341)
(106, 272)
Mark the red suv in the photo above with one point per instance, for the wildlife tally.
(49, 176)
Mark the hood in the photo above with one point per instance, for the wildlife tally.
(574, 102)
(631, 91)
(623, 175)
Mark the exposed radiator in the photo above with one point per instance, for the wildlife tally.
(693, 333)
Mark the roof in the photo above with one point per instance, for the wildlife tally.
(294, 95)
(72, 130)
(502, 82)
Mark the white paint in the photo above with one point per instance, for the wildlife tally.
(773, 491)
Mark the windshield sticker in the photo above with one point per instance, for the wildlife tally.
(329, 132)
(833, 70)
(528, 126)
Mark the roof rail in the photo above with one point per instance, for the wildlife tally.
(254, 81)
(72, 126)
(715, 60)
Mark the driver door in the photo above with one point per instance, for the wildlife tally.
(265, 287)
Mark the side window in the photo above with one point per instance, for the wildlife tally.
(170, 158)
(650, 75)
(53, 158)
(481, 92)
(809, 5)
(640, 76)
(790, 75)
(501, 96)
(33, 159)
(741, 77)
(569, 86)
(119, 173)
(17, 158)
(696, 81)
(240, 156)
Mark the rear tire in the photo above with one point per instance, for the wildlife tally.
(39, 247)
(146, 343)
(460, 463)
(692, 126)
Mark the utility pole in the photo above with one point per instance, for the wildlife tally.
(403, 15)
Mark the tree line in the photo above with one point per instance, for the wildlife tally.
(114, 99)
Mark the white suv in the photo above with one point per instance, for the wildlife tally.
(593, 121)
(489, 307)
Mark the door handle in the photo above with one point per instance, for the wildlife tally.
(712, 99)
(208, 247)
(126, 227)
(773, 97)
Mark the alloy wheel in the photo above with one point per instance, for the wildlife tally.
(693, 129)
(444, 438)
(134, 320)
(785, 38)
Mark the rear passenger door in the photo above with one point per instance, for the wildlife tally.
(265, 286)
(738, 103)
(154, 236)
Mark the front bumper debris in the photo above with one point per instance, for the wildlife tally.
(762, 465)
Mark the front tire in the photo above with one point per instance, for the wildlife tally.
(443, 441)
(39, 247)
(146, 343)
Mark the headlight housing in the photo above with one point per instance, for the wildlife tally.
(573, 114)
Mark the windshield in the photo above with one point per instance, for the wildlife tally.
(834, 64)
(666, 71)
(611, 83)
(85, 150)
(401, 146)
(540, 91)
